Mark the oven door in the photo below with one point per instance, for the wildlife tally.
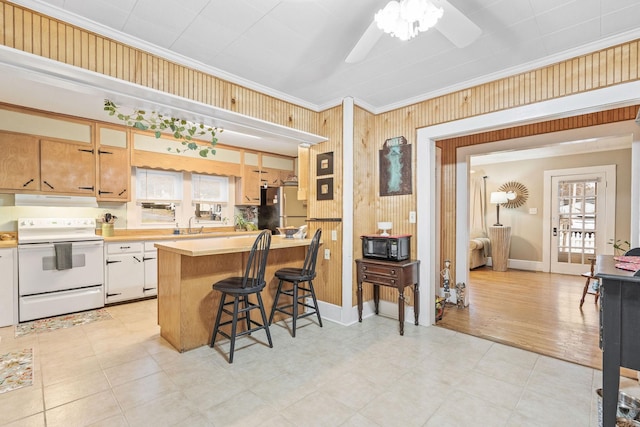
(37, 273)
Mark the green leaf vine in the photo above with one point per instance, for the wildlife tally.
(181, 129)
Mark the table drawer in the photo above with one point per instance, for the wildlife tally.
(379, 270)
(380, 279)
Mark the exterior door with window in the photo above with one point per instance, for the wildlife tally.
(581, 215)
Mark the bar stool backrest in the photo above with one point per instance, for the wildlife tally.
(633, 252)
(309, 267)
(256, 264)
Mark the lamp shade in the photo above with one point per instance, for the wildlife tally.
(498, 197)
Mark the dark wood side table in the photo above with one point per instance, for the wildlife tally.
(397, 275)
(619, 332)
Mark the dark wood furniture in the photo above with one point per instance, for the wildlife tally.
(396, 274)
(590, 275)
(619, 332)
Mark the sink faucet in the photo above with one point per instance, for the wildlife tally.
(194, 232)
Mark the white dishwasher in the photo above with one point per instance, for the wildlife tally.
(8, 287)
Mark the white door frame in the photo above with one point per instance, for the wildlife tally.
(610, 209)
(592, 101)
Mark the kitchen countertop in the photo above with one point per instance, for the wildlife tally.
(139, 237)
(202, 247)
(8, 244)
(8, 240)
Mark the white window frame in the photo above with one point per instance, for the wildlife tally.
(173, 195)
(197, 180)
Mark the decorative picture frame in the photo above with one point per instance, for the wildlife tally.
(395, 167)
(324, 189)
(324, 164)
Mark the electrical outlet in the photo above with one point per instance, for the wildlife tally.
(412, 217)
(327, 254)
(334, 235)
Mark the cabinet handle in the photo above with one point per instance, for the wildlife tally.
(48, 185)
(125, 247)
(147, 259)
(100, 192)
(86, 188)
(111, 262)
(393, 281)
(147, 289)
(364, 276)
(112, 295)
(364, 268)
(28, 182)
(393, 272)
(85, 150)
(104, 152)
(122, 192)
(137, 259)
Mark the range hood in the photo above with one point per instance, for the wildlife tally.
(51, 200)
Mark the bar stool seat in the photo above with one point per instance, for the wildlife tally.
(236, 291)
(298, 292)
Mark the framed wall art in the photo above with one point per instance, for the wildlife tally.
(395, 167)
(325, 164)
(324, 189)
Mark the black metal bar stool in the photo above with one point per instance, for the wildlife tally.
(238, 290)
(298, 292)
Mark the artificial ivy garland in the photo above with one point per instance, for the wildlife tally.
(181, 129)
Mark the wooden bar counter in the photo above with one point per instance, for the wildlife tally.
(186, 270)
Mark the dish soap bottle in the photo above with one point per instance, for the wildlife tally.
(177, 229)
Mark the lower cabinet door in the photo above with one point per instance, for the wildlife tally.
(150, 273)
(124, 277)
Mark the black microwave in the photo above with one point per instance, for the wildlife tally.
(391, 248)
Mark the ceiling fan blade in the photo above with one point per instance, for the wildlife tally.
(455, 26)
(369, 38)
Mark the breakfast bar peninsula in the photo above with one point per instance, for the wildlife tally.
(186, 270)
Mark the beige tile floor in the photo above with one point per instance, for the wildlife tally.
(119, 372)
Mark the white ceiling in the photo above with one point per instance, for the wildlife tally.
(295, 49)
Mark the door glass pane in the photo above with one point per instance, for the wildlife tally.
(576, 221)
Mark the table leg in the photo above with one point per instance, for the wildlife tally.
(376, 296)
(359, 301)
(416, 302)
(401, 308)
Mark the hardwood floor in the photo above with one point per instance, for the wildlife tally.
(534, 311)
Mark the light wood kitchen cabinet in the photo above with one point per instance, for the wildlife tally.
(272, 177)
(248, 187)
(67, 167)
(114, 174)
(20, 162)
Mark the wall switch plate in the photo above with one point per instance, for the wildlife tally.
(327, 254)
(412, 217)
(334, 235)
(533, 211)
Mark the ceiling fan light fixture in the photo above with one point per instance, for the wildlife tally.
(404, 19)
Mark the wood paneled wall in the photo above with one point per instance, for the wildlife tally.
(607, 67)
(31, 32)
(330, 126)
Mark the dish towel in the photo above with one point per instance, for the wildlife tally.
(64, 259)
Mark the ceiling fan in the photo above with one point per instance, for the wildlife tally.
(453, 24)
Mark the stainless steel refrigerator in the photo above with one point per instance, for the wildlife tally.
(280, 207)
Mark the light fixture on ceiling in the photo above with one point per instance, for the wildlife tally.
(404, 19)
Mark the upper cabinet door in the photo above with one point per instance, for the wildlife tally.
(19, 162)
(114, 175)
(67, 167)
